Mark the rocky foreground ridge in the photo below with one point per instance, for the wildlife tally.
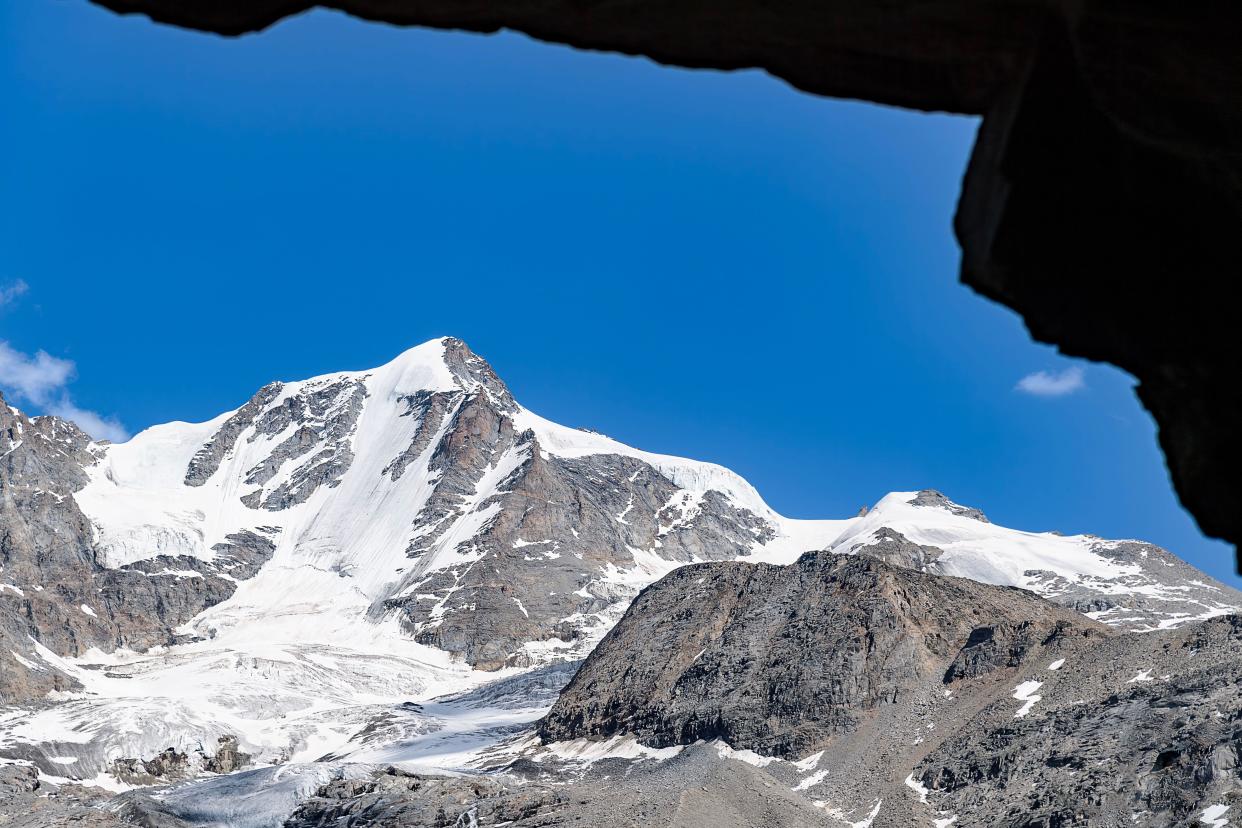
(990, 705)
(847, 691)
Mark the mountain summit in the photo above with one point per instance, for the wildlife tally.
(421, 492)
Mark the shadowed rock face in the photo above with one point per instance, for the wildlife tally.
(1101, 201)
(781, 659)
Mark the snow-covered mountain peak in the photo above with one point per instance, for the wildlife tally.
(1127, 583)
(445, 506)
(443, 364)
(421, 493)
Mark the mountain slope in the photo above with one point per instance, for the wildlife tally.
(1142, 729)
(422, 491)
(780, 659)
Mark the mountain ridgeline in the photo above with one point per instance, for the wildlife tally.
(405, 565)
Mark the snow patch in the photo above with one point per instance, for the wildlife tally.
(588, 751)
(1025, 692)
(811, 781)
(808, 763)
(29, 665)
(866, 821)
(725, 751)
(1214, 815)
(918, 787)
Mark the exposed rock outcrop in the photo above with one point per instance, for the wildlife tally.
(894, 548)
(692, 790)
(55, 591)
(781, 659)
(933, 499)
(908, 698)
(169, 766)
(26, 802)
(172, 765)
(556, 529)
(206, 460)
(396, 798)
(1142, 730)
(322, 417)
(228, 757)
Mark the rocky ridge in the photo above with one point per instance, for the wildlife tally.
(56, 592)
(840, 690)
(781, 660)
(909, 698)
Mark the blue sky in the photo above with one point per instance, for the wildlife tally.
(699, 263)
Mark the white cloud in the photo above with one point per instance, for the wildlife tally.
(96, 425)
(10, 292)
(37, 378)
(42, 379)
(1053, 384)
